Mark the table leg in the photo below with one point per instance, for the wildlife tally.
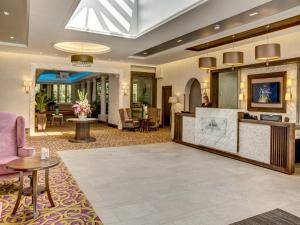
(34, 194)
(48, 188)
(19, 194)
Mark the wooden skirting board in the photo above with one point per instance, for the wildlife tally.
(236, 157)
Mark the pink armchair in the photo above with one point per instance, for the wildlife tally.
(12, 140)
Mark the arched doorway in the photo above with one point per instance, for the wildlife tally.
(193, 96)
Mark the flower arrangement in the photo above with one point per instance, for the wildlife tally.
(82, 107)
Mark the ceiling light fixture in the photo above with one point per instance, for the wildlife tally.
(82, 60)
(82, 47)
(207, 63)
(267, 52)
(145, 53)
(82, 51)
(217, 27)
(253, 14)
(233, 58)
(178, 41)
(6, 13)
(11, 37)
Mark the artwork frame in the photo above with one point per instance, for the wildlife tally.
(267, 79)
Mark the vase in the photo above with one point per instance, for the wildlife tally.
(82, 116)
(41, 121)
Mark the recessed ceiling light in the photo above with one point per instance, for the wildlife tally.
(145, 53)
(6, 13)
(11, 37)
(253, 14)
(217, 27)
(178, 41)
(82, 47)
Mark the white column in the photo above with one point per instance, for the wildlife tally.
(49, 90)
(82, 86)
(94, 89)
(103, 100)
(88, 90)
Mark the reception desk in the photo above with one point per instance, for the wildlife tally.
(225, 132)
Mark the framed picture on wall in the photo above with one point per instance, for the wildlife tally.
(266, 92)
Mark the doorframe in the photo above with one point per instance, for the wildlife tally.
(163, 104)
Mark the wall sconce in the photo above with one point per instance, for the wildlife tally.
(125, 89)
(241, 95)
(204, 87)
(27, 86)
(288, 94)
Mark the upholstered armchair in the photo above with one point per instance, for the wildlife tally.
(127, 121)
(12, 140)
(154, 118)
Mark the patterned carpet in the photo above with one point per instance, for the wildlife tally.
(72, 207)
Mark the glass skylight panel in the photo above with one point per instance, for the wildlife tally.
(78, 19)
(111, 27)
(93, 21)
(125, 7)
(126, 18)
(116, 14)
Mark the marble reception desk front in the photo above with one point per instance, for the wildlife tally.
(224, 132)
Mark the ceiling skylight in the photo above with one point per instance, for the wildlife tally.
(126, 18)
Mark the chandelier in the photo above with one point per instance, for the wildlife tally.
(82, 60)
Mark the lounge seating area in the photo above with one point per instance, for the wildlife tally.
(139, 122)
(148, 112)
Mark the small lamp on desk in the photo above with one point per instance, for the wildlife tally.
(173, 100)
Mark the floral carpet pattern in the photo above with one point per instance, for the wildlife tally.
(71, 205)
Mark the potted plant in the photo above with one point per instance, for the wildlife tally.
(41, 106)
(82, 107)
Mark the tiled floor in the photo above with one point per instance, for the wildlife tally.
(170, 184)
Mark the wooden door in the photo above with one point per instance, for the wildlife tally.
(166, 106)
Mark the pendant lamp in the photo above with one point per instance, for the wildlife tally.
(207, 63)
(233, 58)
(267, 52)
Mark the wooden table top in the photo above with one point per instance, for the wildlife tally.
(87, 120)
(27, 164)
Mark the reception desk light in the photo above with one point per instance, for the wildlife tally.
(241, 96)
(288, 96)
(27, 86)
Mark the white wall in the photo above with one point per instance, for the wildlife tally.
(152, 12)
(113, 106)
(15, 68)
(178, 73)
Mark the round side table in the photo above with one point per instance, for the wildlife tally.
(33, 164)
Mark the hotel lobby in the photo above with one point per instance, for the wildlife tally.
(139, 112)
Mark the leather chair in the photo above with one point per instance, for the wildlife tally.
(12, 140)
(154, 115)
(127, 121)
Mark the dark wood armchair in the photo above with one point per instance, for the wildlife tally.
(127, 121)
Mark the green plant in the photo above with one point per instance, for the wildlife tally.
(82, 95)
(41, 102)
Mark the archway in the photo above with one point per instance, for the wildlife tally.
(193, 96)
